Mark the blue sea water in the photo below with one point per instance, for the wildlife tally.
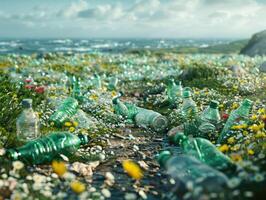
(30, 46)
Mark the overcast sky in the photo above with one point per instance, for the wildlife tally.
(132, 18)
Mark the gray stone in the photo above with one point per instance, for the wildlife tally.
(237, 70)
(256, 45)
(263, 67)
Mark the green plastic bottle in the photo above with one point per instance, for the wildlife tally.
(185, 169)
(174, 92)
(126, 110)
(240, 115)
(48, 148)
(150, 119)
(189, 108)
(203, 150)
(65, 111)
(209, 119)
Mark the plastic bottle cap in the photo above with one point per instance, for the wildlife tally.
(84, 139)
(247, 102)
(27, 103)
(214, 104)
(163, 157)
(179, 138)
(186, 94)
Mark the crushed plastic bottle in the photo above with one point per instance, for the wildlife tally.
(48, 148)
(190, 171)
(28, 127)
(203, 150)
(112, 85)
(67, 109)
(239, 115)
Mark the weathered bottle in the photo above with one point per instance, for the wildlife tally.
(185, 169)
(174, 92)
(203, 150)
(240, 115)
(189, 108)
(209, 119)
(66, 110)
(48, 148)
(28, 127)
(150, 119)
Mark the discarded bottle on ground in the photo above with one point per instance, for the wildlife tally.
(203, 150)
(127, 110)
(27, 122)
(185, 169)
(174, 92)
(240, 115)
(150, 119)
(66, 110)
(209, 119)
(96, 81)
(189, 108)
(48, 148)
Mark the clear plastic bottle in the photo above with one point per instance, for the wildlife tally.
(189, 108)
(150, 119)
(28, 127)
(241, 114)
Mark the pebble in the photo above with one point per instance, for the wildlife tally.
(142, 194)
(106, 193)
(130, 196)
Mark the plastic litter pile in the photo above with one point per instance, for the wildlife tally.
(132, 126)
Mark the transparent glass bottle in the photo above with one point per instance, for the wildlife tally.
(27, 124)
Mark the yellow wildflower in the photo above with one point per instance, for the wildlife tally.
(71, 129)
(68, 124)
(235, 105)
(75, 123)
(196, 92)
(113, 93)
(260, 134)
(261, 125)
(255, 128)
(235, 147)
(245, 133)
(94, 97)
(224, 148)
(236, 157)
(236, 127)
(132, 169)
(77, 186)
(243, 126)
(59, 167)
(250, 152)
(261, 111)
(231, 140)
(254, 117)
